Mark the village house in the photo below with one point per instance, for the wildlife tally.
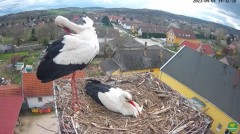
(203, 48)
(231, 60)
(177, 36)
(136, 61)
(208, 83)
(11, 99)
(36, 93)
(148, 31)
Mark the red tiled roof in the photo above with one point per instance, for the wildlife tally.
(207, 49)
(33, 87)
(190, 45)
(9, 110)
(79, 74)
(10, 90)
(183, 33)
(232, 46)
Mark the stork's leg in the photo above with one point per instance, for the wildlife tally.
(75, 102)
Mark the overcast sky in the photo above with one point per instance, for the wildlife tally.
(223, 13)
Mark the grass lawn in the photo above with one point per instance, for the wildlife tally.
(4, 57)
(12, 74)
(7, 40)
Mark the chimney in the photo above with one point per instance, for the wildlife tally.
(145, 50)
(161, 56)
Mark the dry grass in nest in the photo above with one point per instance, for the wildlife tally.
(165, 111)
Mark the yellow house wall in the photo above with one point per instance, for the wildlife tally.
(168, 35)
(178, 40)
(155, 72)
(216, 114)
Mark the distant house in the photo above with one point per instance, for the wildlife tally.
(39, 94)
(151, 31)
(177, 35)
(211, 85)
(19, 66)
(203, 48)
(189, 44)
(11, 99)
(135, 61)
(113, 18)
(6, 48)
(124, 43)
(107, 32)
(232, 61)
(36, 93)
(231, 49)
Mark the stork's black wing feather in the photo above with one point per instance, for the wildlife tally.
(93, 87)
(48, 70)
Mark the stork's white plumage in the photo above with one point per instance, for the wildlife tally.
(114, 99)
(71, 53)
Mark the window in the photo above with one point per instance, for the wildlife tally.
(219, 127)
(40, 99)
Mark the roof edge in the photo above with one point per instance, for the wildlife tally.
(172, 57)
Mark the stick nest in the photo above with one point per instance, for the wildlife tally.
(165, 110)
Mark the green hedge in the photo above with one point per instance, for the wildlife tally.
(155, 35)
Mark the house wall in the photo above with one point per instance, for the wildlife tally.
(216, 114)
(154, 71)
(33, 101)
(171, 38)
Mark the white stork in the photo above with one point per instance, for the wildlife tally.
(114, 99)
(71, 53)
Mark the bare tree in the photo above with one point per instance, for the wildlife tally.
(206, 32)
(18, 35)
(219, 33)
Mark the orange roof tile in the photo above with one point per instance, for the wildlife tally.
(33, 87)
(79, 74)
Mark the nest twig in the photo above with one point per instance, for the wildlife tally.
(165, 110)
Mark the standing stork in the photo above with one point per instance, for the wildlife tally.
(72, 52)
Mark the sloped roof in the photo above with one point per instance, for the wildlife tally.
(10, 104)
(127, 41)
(209, 78)
(32, 87)
(190, 45)
(128, 60)
(183, 33)
(10, 90)
(79, 74)
(10, 107)
(109, 65)
(207, 49)
(107, 32)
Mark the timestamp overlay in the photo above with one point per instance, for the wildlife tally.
(214, 1)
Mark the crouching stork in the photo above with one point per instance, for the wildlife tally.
(114, 99)
(69, 54)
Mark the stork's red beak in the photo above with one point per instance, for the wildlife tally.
(131, 102)
(67, 30)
